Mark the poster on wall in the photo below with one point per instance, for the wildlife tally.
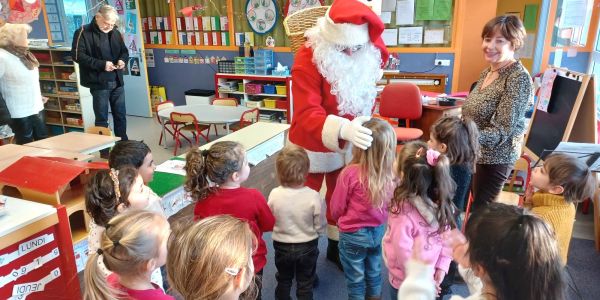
(23, 11)
(131, 23)
(134, 66)
(130, 4)
(261, 15)
(150, 58)
(119, 7)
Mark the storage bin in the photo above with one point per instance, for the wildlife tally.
(241, 88)
(226, 66)
(197, 96)
(269, 89)
(253, 88)
(270, 103)
(280, 89)
(281, 104)
(253, 104)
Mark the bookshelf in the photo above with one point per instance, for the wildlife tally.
(278, 103)
(70, 105)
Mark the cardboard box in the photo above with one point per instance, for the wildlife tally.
(197, 21)
(225, 38)
(145, 24)
(191, 38)
(216, 38)
(224, 23)
(207, 39)
(147, 39)
(169, 37)
(189, 24)
(182, 38)
(240, 37)
(180, 23)
(159, 23)
(215, 23)
(198, 36)
(160, 37)
(249, 37)
(206, 24)
(166, 23)
(151, 23)
(153, 37)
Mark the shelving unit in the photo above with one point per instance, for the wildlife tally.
(246, 99)
(70, 105)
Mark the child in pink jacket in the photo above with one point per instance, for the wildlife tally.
(421, 206)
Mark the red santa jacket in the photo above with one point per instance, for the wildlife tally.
(316, 123)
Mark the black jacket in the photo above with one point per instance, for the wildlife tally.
(86, 52)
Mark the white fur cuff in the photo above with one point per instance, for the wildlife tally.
(331, 132)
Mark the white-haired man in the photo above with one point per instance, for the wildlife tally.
(334, 90)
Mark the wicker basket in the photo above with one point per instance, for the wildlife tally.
(296, 24)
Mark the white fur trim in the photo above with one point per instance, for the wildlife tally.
(333, 232)
(426, 210)
(331, 132)
(325, 162)
(344, 34)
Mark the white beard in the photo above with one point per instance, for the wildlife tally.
(353, 78)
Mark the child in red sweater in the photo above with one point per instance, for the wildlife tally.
(214, 178)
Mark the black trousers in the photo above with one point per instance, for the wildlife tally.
(29, 129)
(297, 260)
(487, 183)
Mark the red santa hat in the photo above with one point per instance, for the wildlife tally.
(352, 23)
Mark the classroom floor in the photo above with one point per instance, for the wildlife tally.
(584, 261)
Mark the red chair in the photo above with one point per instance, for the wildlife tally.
(402, 101)
(247, 118)
(187, 122)
(164, 124)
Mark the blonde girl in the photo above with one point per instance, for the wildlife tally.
(214, 179)
(421, 206)
(133, 245)
(359, 206)
(212, 259)
(109, 193)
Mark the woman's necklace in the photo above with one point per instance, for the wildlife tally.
(508, 63)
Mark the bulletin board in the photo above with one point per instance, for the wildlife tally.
(418, 23)
(570, 115)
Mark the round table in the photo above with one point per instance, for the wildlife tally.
(208, 114)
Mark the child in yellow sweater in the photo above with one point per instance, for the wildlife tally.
(561, 181)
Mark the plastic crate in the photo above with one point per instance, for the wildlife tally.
(241, 88)
(239, 59)
(281, 104)
(254, 104)
(270, 103)
(280, 89)
(253, 88)
(269, 89)
(261, 71)
(226, 66)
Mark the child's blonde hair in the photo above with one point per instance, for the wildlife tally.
(205, 256)
(427, 180)
(10, 33)
(376, 163)
(215, 165)
(573, 175)
(461, 137)
(128, 243)
(292, 166)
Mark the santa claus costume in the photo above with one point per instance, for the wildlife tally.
(334, 83)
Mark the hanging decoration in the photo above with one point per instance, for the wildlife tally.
(23, 11)
(296, 5)
(187, 11)
(261, 15)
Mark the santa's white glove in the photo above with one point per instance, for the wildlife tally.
(357, 134)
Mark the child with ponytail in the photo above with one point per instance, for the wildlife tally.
(133, 245)
(214, 179)
(109, 193)
(421, 205)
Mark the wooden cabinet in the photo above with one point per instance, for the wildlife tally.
(70, 105)
(271, 94)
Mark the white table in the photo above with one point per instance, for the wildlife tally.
(207, 114)
(80, 142)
